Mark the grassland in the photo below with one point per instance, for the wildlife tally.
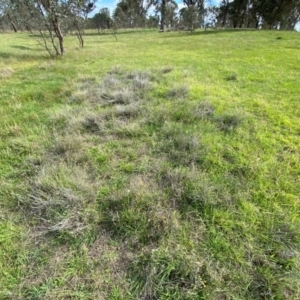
(160, 166)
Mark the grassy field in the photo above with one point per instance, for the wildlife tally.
(159, 166)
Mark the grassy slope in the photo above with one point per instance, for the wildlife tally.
(188, 196)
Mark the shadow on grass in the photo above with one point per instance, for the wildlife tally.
(137, 31)
(205, 32)
(24, 48)
(23, 55)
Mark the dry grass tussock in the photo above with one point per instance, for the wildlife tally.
(6, 72)
(62, 192)
(114, 88)
(59, 197)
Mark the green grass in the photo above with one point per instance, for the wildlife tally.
(160, 166)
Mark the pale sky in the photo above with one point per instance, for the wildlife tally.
(111, 4)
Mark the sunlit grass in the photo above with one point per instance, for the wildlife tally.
(157, 166)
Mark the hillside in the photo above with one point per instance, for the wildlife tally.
(158, 166)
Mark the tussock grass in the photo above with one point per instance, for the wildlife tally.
(58, 196)
(205, 110)
(168, 271)
(178, 92)
(228, 122)
(180, 147)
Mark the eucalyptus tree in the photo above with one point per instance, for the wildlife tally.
(195, 12)
(131, 13)
(48, 18)
(102, 19)
(7, 14)
(290, 19)
(167, 11)
(272, 14)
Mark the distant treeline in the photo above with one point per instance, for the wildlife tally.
(259, 14)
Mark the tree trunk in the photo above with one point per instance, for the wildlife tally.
(59, 36)
(79, 35)
(12, 23)
(163, 14)
(225, 15)
(257, 24)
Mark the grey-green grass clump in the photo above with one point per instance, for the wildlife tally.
(178, 92)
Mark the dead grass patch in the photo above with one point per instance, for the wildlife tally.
(6, 72)
(58, 197)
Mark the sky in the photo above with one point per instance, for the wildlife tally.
(111, 4)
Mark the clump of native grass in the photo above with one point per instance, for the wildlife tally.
(114, 88)
(178, 92)
(62, 194)
(229, 122)
(205, 110)
(58, 198)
